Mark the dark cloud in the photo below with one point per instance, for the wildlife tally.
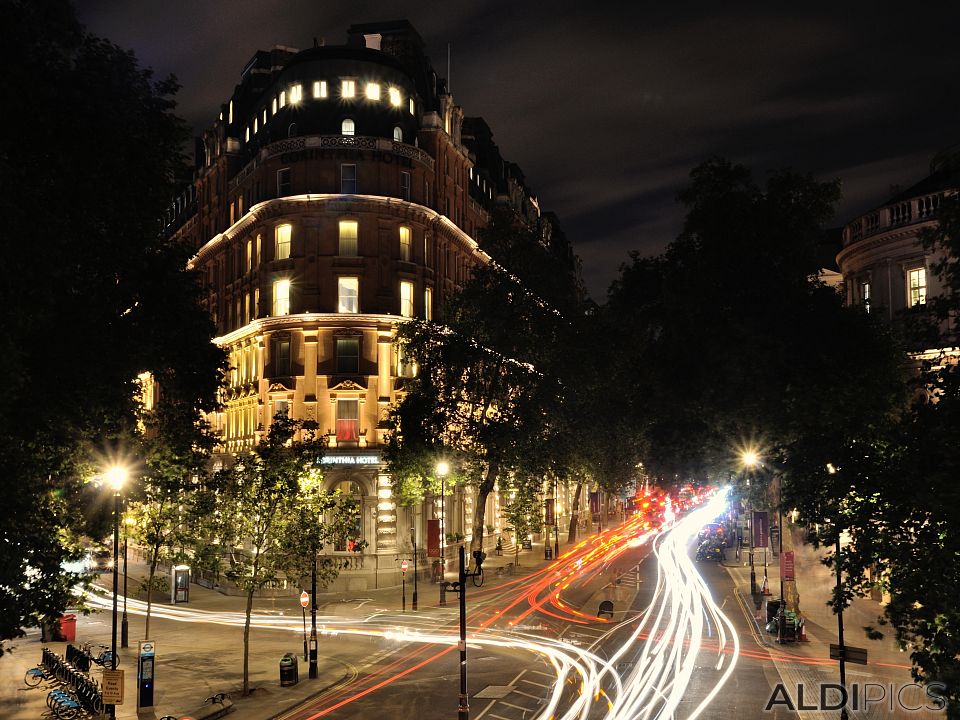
(607, 106)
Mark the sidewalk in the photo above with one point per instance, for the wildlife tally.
(195, 661)
(808, 662)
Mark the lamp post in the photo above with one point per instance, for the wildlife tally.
(750, 460)
(442, 469)
(116, 476)
(556, 519)
(124, 626)
(413, 541)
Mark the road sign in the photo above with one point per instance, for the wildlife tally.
(113, 687)
(851, 654)
(304, 599)
(403, 566)
(147, 648)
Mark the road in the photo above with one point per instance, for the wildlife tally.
(680, 641)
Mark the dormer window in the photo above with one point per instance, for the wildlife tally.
(320, 89)
(296, 94)
(348, 127)
(373, 91)
(348, 89)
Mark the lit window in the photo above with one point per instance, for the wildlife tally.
(406, 299)
(917, 282)
(281, 297)
(405, 243)
(320, 89)
(256, 126)
(230, 115)
(256, 258)
(264, 116)
(398, 134)
(348, 295)
(348, 127)
(428, 304)
(283, 242)
(373, 91)
(348, 178)
(348, 89)
(865, 295)
(348, 354)
(249, 255)
(281, 357)
(348, 420)
(348, 238)
(283, 98)
(404, 185)
(273, 107)
(296, 94)
(411, 106)
(283, 182)
(246, 137)
(394, 95)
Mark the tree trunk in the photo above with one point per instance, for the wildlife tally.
(480, 508)
(574, 514)
(246, 643)
(150, 576)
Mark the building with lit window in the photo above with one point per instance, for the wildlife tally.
(884, 265)
(337, 194)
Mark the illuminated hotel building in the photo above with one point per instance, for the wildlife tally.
(339, 191)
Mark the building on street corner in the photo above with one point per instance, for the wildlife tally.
(339, 191)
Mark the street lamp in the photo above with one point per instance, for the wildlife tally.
(443, 468)
(124, 627)
(116, 476)
(750, 459)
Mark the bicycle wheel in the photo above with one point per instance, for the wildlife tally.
(33, 677)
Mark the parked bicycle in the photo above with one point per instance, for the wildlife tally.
(103, 657)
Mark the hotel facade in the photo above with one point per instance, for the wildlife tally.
(340, 191)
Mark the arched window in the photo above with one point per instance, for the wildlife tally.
(347, 127)
(292, 130)
(398, 134)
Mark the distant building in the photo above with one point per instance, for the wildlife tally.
(339, 191)
(884, 265)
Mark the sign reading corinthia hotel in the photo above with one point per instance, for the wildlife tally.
(355, 458)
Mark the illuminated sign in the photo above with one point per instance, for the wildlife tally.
(350, 460)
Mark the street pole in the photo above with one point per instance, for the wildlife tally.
(781, 616)
(843, 649)
(463, 712)
(413, 541)
(303, 612)
(443, 537)
(556, 520)
(753, 572)
(312, 673)
(124, 627)
(116, 562)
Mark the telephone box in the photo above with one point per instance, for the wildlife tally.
(180, 584)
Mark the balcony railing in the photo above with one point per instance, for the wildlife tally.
(342, 142)
(900, 214)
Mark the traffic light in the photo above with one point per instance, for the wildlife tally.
(478, 557)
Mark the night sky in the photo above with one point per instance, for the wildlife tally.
(607, 106)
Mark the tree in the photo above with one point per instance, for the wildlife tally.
(272, 502)
(92, 295)
(523, 513)
(484, 392)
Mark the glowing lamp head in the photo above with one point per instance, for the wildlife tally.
(443, 468)
(116, 476)
(750, 458)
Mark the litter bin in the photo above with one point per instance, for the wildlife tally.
(68, 628)
(548, 553)
(289, 672)
(773, 609)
